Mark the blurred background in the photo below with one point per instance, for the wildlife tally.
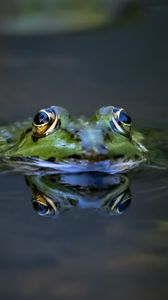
(83, 54)
(39, 16)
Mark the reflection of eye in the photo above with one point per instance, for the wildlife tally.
(122, 206)
(42, 204)
(41, 208)
(121, 203)
(120, 122)
(44, 123)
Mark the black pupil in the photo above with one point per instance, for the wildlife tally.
(123, 205)
(124, 118)
(40, 208)
(41, 118)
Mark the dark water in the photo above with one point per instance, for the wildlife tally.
(83, 254)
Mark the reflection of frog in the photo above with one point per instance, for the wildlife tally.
(53, 194)
(55, 140)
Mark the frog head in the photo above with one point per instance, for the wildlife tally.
(57, 136)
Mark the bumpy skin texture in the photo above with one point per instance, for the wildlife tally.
(11, 134)
(76, 138)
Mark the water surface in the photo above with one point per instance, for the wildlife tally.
(83, 254)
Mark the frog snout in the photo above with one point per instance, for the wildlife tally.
(92, 141)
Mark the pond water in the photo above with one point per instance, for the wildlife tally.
(83, 253)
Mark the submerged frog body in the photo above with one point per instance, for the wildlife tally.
(55, 140)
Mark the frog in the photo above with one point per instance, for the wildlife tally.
(55, 141)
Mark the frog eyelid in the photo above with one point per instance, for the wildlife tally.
(54, 124)
(116, 124)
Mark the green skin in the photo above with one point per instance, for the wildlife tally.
(77, 139)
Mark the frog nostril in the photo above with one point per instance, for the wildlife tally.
(92, 141)
(101, 149)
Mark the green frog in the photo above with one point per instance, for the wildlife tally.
(56, 141)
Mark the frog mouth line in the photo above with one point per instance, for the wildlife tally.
(28, 165)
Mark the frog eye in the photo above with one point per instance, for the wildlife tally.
(121, 121)
(44, 123)
(42, 204)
